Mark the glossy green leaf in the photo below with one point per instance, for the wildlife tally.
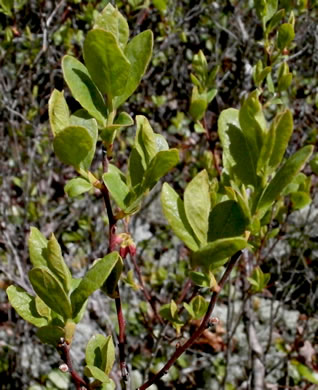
(50, 334)
(77, 186)
(227, 219)
(58, 111)
(238, 159)
(174, 212)
(50, 290)
(138, 51)
(95, 372)
(56, 263)
(159, 166)
(216, 253)
(197, 205)
(283, 177)
(24, 305)
(37, 247)
(106, 63)
(83, 89)
(110, 19)
(93, 280)
(286, 34)
(73, 145)
(283, 127)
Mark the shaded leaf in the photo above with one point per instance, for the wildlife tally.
(286, 34)
(95, 372)
(93, 280)
(77, 186)
(50, 334)
(50, 290)
(227, 219)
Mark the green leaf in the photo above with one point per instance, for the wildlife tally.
(283, 127)
(100, 352)
(161, 143)
(51, 291)
(58, 111)
(286, 34)
(42, 308)
(145, 140)
(271, 8)
(174, 212)
(135, 168)
(199, 306)
(211, 94)
(108, 66)
(306, 372)
(283, 177)
(197, 205)
(56, 263)
(110, 286)
(123, 120)
(284, 82)
(50, 334)
(83, 119)
(117, 188)
(216, 253)
(226, 220)
(300, 199)
(200, 279)
(95, 372)
(77, 186)
(238, 159)
(110, 19)
(161, 5)
(83, 89)
(37, 247)
(93, 280)
(314, 164)
(24, 305)
(159, 166)
(138, 51)
(73, 145)
(275, 20)
(266, 151)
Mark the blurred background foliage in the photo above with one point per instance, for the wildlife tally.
(34, 35)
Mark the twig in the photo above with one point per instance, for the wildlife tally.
(204, 324)
(64, 349)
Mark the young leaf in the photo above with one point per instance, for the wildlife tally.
(145, 140)
(283, 127)
(109, 355)
(110, 19)
(50, 334)
(300, 199)
(226, 220)
(286, 34)
(24, 305)
(94, 351)
(283, 177)
(58, 111)
(108, 66)
(216, 253)
(197, 205)
(138, 51)
(159, 166)
(72, 146)
(77, 186)
(37, 247)
(93, 280)
(56, 263)
(173, 210)
(199, 104)
(199, 306)
(83, 89)
(51, 291)
(238, 159)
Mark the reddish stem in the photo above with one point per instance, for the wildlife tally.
(204, 324)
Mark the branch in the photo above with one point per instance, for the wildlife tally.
(204, 324)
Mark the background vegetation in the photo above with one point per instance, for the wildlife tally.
(34, 35)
